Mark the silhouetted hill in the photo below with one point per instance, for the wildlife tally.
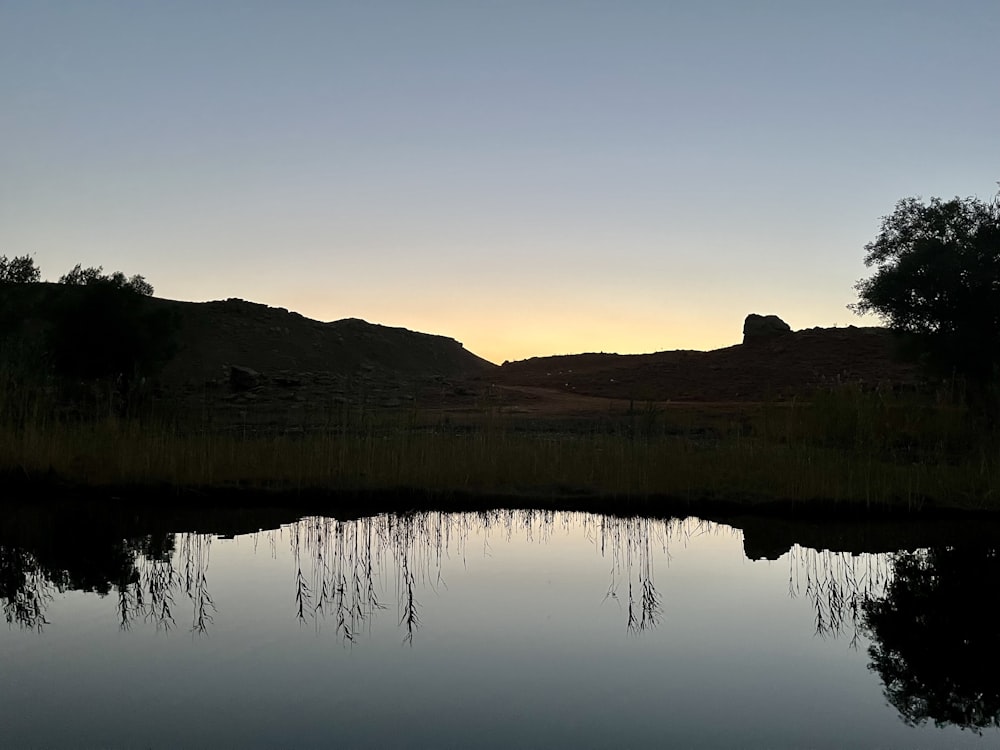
(307, 360)
(216, 335)
(787, 365)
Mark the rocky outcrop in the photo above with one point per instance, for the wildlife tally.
(763, 327)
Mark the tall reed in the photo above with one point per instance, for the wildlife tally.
(864, 447)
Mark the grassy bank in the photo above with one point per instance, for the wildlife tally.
(865, 449)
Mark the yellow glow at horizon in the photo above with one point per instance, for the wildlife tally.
(513, 334)
(511, 319)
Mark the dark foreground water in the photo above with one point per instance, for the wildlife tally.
(500, 629)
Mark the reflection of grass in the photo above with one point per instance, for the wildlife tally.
(847, 445)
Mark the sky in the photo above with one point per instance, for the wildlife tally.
(530, 178)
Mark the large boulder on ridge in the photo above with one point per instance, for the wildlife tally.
(762, 327)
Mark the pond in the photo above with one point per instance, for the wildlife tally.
(488, 629)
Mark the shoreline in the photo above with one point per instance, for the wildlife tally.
(770, 528)
(347, 503)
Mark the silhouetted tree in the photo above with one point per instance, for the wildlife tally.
(108, 330)
(19, 270)
(935, 645)
(937, 280)
(80, 276)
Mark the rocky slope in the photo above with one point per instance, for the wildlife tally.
(240, 352)
(771, 368)
(214, 336)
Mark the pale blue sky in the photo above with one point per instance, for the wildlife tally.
(528, 177)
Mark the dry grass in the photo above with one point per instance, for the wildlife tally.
(850, 446)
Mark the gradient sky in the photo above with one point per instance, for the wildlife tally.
(530, 178)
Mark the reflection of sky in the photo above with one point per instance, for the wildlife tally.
(530, 178)
(518, 645)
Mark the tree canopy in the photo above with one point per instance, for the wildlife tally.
(937, 279)
(19, 270)
(96, 335)
(80, 276)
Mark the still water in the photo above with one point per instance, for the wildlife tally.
(501, 629)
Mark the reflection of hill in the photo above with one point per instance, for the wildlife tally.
(155, 567)
(76, 549)
(771, 537)
(103, 548)
(935, 644)
(157, 560)
(150, 561)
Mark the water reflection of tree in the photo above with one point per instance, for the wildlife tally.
(25, 588)
(334, 575)
(837, 585)
(194, 554)
(31, 576)
(934, 644)
(631, 543)
(148, 587)
(343, 568)
(145, 585)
